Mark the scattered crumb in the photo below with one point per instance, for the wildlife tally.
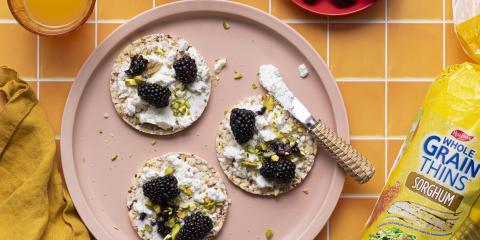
(115, 227)
(130, 155)
(114, 157)
(105, 141)
(302, 71)
(269, 233)
(111, 135)
(225, 112)
(100, 131)
(153, 142)
(254, 86)
(106, 116)
(216, 77)
(220, 64)
(83, 160)
(306, 191)
(237, 75)
(226, 25)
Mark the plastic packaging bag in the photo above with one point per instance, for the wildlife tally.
(433, 190)
(466, 17)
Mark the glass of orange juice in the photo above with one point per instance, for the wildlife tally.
(51, 17)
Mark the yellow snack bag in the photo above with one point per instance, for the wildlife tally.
(433, 191)
(466, 17)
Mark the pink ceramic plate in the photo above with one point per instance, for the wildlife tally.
(99, 186)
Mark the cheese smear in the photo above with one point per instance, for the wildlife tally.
(271, 79)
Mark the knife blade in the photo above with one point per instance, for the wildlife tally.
(348, 158)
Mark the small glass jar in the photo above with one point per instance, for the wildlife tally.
(51, 17)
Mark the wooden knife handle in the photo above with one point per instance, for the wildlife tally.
(354, 163)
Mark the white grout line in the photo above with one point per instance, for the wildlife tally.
(328, 42)
(58, 79)
(270, 7)
(96, 24)
(359, 196)
(363, 79)
(38, 67)
(110, 21)
(386, 90)
(444, 36)
(367, 21)
(328, 230)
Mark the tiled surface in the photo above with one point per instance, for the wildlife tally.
(384, 59)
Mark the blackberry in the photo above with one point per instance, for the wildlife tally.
(311, 2)
(185, 69)
(164, 230)
(154, 94)
(161, 189)
(195, 227)
(282, 170)
(343, 3)
(142, 216)
(242, 123)
(138, 64)
(279, 148)
(262, 111)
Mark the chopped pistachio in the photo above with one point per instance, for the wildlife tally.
(237, 75)
(275, 158)
(269, 233)
(153, 142)
(175, 230)
(130, 82)
(250, 149)
(181, 214)
(114, 157)
(268, 102)
(305, 190)
(169, 170)
(137, 121)
(138, 78)
(226, 25)
(248, 164)
(148, 228)
(154, 69)
(170, 222)
(168, 237)
(157, 209)
(254, 86)
(159, 51)
(149, 204)
(186, 190)
(263, 146)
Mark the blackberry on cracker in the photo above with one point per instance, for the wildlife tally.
(185, 69)
(242, 123)
(154, 94)
(138, 65)
(161, 189)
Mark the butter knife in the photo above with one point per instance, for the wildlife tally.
(348, 158)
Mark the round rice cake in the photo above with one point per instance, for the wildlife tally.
(201, 190)
(187, 101)
(242, 162)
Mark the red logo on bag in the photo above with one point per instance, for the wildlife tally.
(461, 136)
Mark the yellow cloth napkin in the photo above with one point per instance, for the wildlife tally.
(34, 203)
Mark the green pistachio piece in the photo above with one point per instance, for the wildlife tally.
(149, 204)
(249, 164)
(268, 102)
(275, 158)
(131, 82)
(269, 233)
(157, 209)
(169, 170)
(175, 230)
(154, 69)
(226, 25)
(148, 228)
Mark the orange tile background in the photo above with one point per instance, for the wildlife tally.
(384, 59)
